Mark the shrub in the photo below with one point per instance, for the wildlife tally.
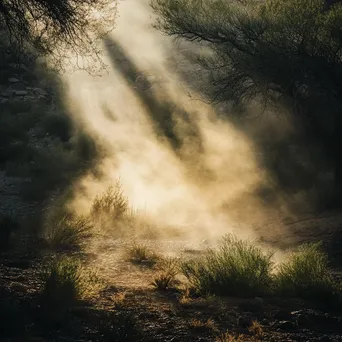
(112, 204)
(68, 232)
(166, 277)
(202, 326)
(66, 281)
(238, 267)
(141, 254)
(305, 274)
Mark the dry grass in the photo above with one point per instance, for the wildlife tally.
(139, 253)
(306, 274)
(199, 325)
(257, 331)
(238, 267)
(227, 337)
(168, 269)
(118, 300)
(68, 231)
(112, 204)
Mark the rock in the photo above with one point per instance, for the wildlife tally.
(7, 93)
(13, 80)
(40, 91)
(20, 92)
(282, 314)
(286, 325)
(244, 322)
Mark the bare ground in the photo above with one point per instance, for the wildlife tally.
(162, 315)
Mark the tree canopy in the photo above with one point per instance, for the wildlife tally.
(281, 51)
(52, 27)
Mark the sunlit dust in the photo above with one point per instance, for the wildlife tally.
(176, 160)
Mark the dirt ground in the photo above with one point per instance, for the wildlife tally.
(163, 315)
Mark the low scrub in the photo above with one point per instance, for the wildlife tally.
(141, 254)
(68, 232)
(66, 281)
(168, 270)
(238, 268)
(112, 204)
(306, 274)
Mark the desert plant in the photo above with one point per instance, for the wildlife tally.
(306, 274)
(257, 331)
(142, 254)
(112, 204)
(208, 325)
(168, 269)
(227, 337)
(66, 282)
(238, 267)
(68, 232)
(162, 281)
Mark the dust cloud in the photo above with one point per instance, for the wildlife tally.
(176, 159)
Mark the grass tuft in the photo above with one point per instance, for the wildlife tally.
(141, 254)
(112, 204)
(68, 232)
(238, 267)
(67, 280)
(166, 277)
(227, 337)
(306, 274)
(202, 326)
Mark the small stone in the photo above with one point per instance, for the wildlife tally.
(282, 314)
(7, 93)
(244, 322)
(40, 91)
(20, 92)
(13, 80)
(286, 325)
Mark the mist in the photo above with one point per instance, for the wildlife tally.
(177, 160)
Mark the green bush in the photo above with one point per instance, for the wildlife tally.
(142, 254)
(112, 204)
(306, 274)
(68, 232)
(66, 282)
(238, 267)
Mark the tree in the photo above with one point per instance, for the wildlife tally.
(280, 51)
(56, 28)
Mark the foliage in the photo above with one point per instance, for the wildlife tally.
(112, 204)
(66, 281)
(282, 53)
(305, 274)
(68, 231)
(53, 27)
(168, 269)
(142, 254)
(238, 267)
